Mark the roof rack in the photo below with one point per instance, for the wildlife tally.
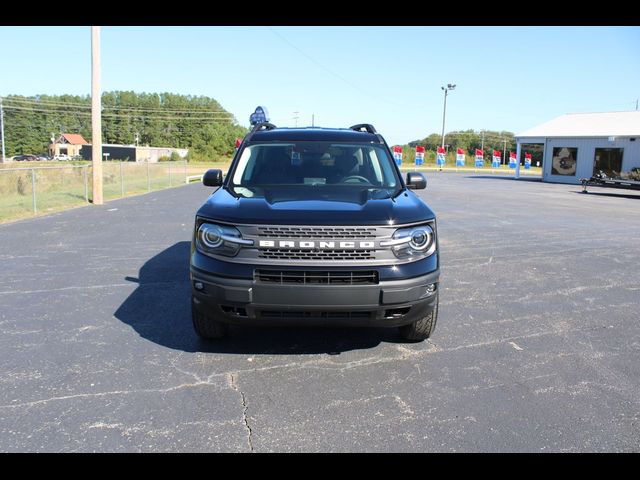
(366, 126)
(263, 126)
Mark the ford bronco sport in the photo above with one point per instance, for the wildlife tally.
(314, 226)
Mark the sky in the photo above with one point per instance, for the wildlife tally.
(507, 78)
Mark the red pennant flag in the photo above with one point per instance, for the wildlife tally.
(419, 149)
(397, 149)
(479, 153)
(496, 153)
(238, 142)
(512, 154)
(527, 156)
(461, 151)
(440, 149)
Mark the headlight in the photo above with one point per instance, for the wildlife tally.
(416, 242)
(220, 240)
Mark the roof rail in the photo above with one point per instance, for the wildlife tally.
(366, 126)
(263, 126)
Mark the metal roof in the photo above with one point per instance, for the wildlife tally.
(604, 124)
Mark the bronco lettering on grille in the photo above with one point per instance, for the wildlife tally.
(315, 245)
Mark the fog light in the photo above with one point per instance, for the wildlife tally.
(430, 288)
(198, 285)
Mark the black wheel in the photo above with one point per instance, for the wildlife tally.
(206, 326)
(423, 328)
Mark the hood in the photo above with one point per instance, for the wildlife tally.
(404, 208)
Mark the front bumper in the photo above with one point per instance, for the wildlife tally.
(389, 303)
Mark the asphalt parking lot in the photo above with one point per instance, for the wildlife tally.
(537, 346)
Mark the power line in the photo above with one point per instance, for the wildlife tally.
(133, 110)
(131, 115)
(47, 103)
(328, 70)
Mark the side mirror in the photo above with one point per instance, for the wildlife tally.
(416, 181)
(212, 178)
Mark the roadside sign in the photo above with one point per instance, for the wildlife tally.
(397, 155)
(496, 159)
(512, 160)
(419, 155)
(440, 157)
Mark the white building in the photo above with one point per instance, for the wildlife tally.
(577, 145)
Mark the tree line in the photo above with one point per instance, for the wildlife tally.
(198, 123)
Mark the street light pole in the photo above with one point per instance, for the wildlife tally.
(444, 110)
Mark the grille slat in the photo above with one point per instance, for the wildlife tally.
(317, 232)
(309, 277)
(302, 254)
(310, 314)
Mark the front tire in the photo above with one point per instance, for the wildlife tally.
(423, 328)
(206, 326)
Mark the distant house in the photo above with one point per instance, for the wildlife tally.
(67, 144)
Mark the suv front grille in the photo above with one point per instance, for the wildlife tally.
(306, 314)
(317, 232)
(304, 277)
(302, 254)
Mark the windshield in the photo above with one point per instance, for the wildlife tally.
(322, 167)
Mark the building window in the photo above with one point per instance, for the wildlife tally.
(564, 161)
(608, 161)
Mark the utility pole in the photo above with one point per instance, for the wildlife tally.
(2, 129)
(444, 110)
(137, 138)
(636, 104)
(482, 146)
(504, 151)
(96, 120)
(295, 117)
(313, 119)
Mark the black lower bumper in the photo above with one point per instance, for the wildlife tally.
(243, 301)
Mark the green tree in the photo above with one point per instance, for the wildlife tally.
(159, 119)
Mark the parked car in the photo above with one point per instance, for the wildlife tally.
(25, 158)
(62, 156)
(44, 158)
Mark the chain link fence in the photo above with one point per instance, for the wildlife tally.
(25, 191)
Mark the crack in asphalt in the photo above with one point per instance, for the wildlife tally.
(320, 364)
(405, 353)
(103, 394)
(231, 378)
